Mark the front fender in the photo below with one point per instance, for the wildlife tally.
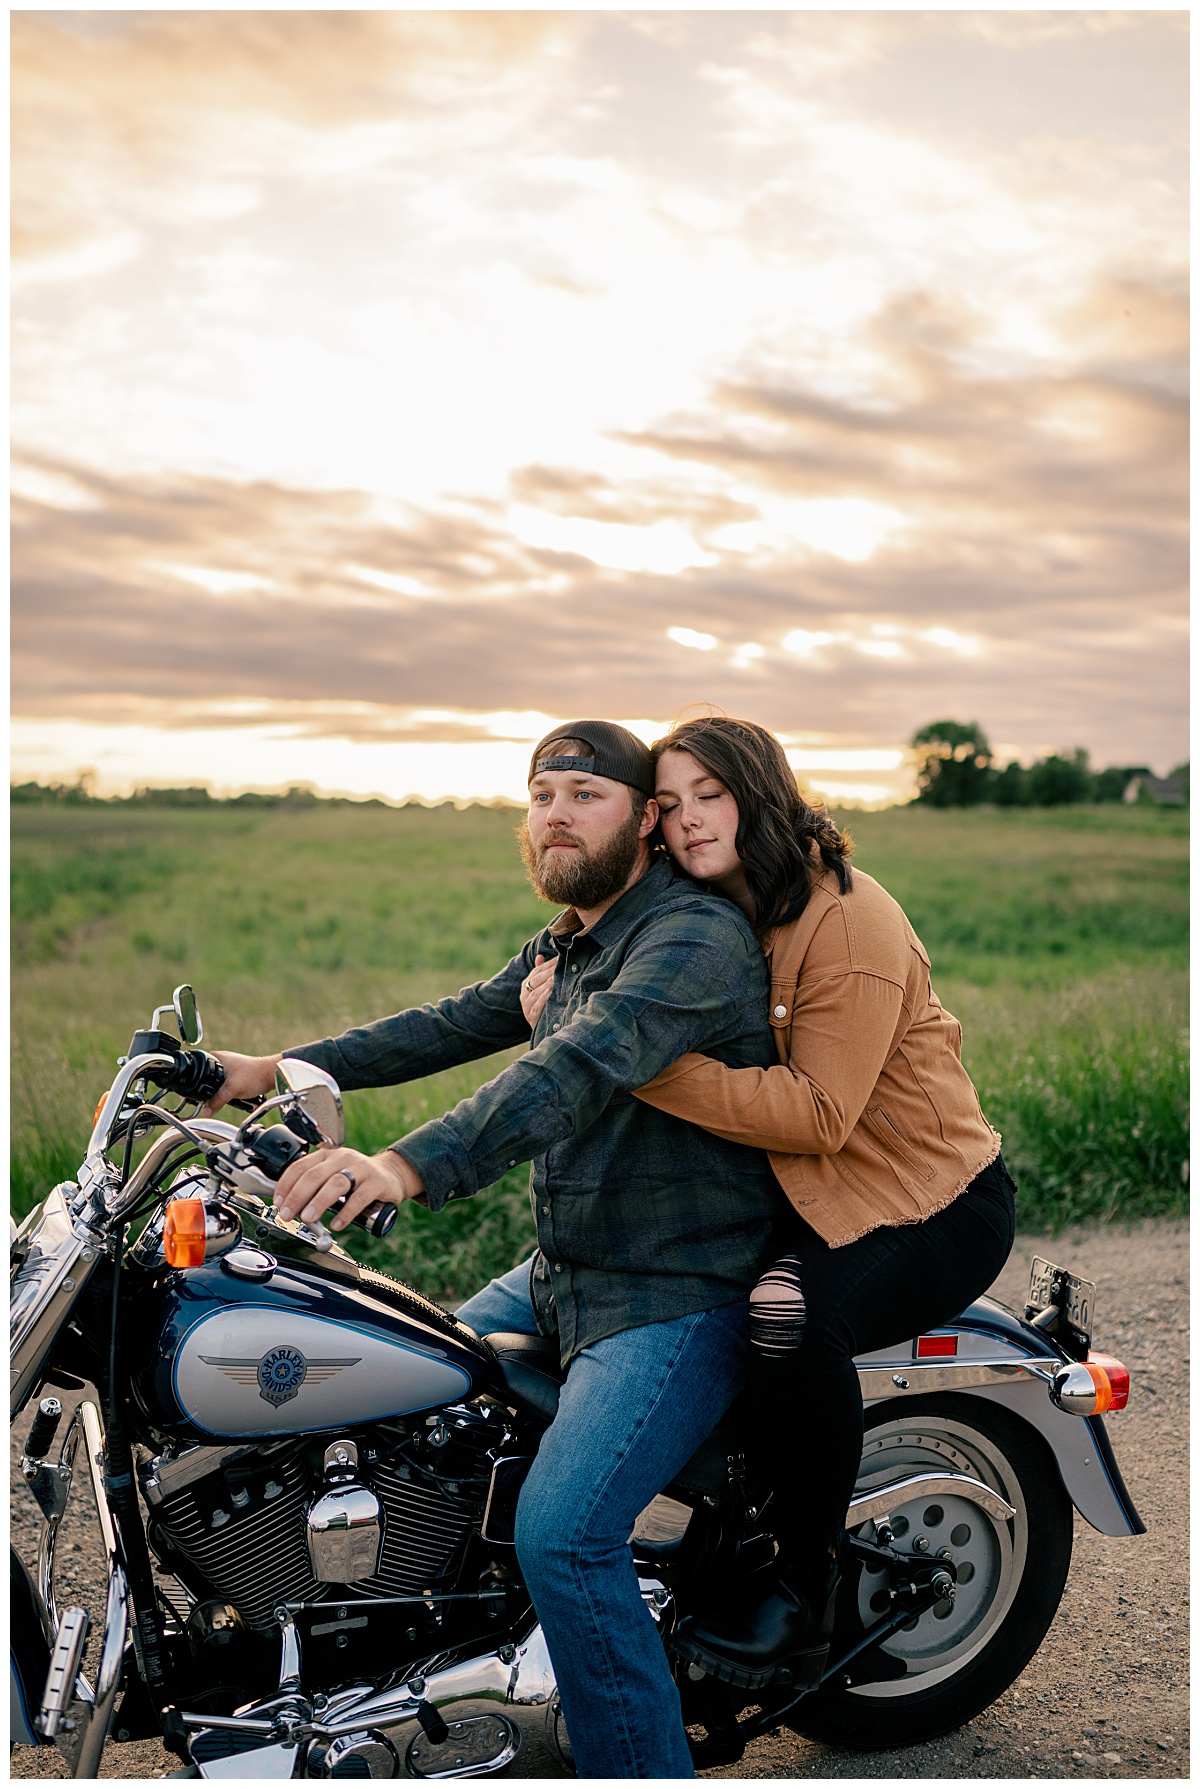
(30, 1639)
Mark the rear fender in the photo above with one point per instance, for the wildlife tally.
(989, 1336)
(30, 1639)
(1083, 1454)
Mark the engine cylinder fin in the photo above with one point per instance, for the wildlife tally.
(230, 1557)
(423, 1530)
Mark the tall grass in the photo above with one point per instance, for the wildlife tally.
(1058, 937)
(1087, 1085)
(1034, 897)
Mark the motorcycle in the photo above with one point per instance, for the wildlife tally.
(305, 1478)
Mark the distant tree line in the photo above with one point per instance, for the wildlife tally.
(79, 794)
(955, 769)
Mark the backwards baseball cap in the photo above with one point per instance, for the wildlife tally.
(613, 752)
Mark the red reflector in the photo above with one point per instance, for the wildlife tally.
(1117, 1375)
(936, 1345)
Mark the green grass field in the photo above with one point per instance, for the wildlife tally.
(1058, 937)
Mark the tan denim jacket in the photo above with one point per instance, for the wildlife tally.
(869, 1118)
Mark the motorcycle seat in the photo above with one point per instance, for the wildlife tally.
(531, 1370)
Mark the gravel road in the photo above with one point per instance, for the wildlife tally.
(1106, 1695)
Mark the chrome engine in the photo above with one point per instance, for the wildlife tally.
(469, 1718)
(259, 1526)
(345, 1524)
(282, 1522)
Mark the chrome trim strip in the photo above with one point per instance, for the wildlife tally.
(116, 1632)
(873, 1504)
(950, 1375)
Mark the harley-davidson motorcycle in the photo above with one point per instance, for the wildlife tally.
(305, 1477)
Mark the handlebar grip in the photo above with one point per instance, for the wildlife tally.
(376, 1220)
(194, 1074)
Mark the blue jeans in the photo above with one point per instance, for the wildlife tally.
(633, 1411)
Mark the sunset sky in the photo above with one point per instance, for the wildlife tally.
(389, 385)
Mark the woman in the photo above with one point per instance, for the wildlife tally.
(900, 1208)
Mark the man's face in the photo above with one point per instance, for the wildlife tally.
(582, 837)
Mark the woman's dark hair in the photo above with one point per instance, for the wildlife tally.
(778, 831)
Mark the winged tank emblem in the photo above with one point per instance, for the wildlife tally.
(281, 1371)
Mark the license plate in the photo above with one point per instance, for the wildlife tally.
(1074, 1297)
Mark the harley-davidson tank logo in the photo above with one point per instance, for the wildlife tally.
(280, 1373)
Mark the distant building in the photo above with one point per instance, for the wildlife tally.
(1166, 790)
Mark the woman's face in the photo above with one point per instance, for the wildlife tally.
(699, 817)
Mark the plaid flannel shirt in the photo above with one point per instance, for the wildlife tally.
(641, 1217)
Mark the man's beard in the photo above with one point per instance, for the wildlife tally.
(585, 876)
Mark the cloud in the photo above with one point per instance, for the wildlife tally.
(265, 603)
(379, 365)
(114, 109)
(1042, 461)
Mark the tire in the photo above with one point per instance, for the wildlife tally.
(961, 1656)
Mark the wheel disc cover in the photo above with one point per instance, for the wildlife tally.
(990, 1555)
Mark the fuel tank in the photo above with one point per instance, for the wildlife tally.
(313, 1345)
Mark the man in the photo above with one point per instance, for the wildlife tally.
(650, 1231)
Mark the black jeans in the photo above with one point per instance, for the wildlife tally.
(817, 1307)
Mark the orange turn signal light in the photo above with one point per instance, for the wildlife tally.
(99, 1109)
(184, 1232)
(1092, 1386)
(1111, 1379)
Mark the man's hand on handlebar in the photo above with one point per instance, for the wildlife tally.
(309, 1187)
(246, 1077)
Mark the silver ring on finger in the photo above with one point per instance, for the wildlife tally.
(351, 1181)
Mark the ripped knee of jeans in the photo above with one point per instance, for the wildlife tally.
(777, 1310)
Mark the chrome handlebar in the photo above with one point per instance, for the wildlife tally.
(114, 1099)
(212, 1130)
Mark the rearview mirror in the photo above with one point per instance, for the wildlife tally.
(188, 1014)
(318, 1093)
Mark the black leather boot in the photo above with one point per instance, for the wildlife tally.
(788, 1621)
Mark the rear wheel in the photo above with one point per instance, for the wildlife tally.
(954, 1660)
